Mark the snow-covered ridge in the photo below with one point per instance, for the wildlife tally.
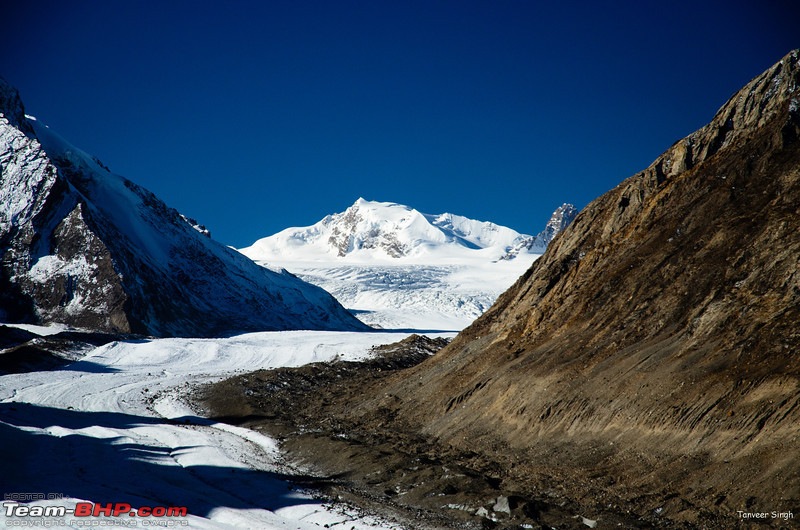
(370, 231)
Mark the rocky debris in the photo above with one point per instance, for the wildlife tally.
(25, 351)
(272, 402)
(82, 246)
(369, 463)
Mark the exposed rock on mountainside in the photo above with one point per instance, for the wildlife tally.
(85, 247)
(649, 361)
(25, 351)
(560, 219)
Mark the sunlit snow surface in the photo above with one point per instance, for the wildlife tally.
(414, 296)
(112, 428)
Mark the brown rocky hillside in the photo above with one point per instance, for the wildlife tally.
(651, 358)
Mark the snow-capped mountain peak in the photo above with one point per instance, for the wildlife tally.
(387, 231)
(400, 268)
(390, 229)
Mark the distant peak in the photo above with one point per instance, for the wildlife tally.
(12, 108)
(369, 230)
(564, 214)
(364, 202)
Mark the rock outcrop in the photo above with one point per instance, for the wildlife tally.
(559, 220)
(85, 247)
(650, 359)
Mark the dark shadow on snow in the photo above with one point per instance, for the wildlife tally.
(417, 331)
(89, 367)
(116, 469)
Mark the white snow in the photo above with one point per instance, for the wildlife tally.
(25, 168)
(112, 428)
(412, 296)
(44, 331)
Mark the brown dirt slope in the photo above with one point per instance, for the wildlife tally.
(651, 357)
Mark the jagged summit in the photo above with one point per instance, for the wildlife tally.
(370, 230)
(560, 219)
(85, 247)
(12, 108)
(765, 98)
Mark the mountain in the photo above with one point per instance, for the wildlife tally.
(649, 361)
(85, 247)
(368, 231)
(399, 268)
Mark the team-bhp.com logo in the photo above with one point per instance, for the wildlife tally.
(162, 514)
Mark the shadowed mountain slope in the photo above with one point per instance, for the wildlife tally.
(82, 246)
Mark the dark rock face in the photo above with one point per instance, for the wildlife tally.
(649, 359)
(82, 288)
(24, 351)
(88, 248)
(560, 219)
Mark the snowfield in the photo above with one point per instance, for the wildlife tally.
(414, 296)
(112, 428)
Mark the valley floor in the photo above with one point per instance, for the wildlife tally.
(378, 460)
(111, 428)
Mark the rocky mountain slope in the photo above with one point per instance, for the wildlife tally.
(399, 268)
(85, 247)
(649, 360)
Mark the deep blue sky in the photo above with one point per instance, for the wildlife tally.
(256, 116)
